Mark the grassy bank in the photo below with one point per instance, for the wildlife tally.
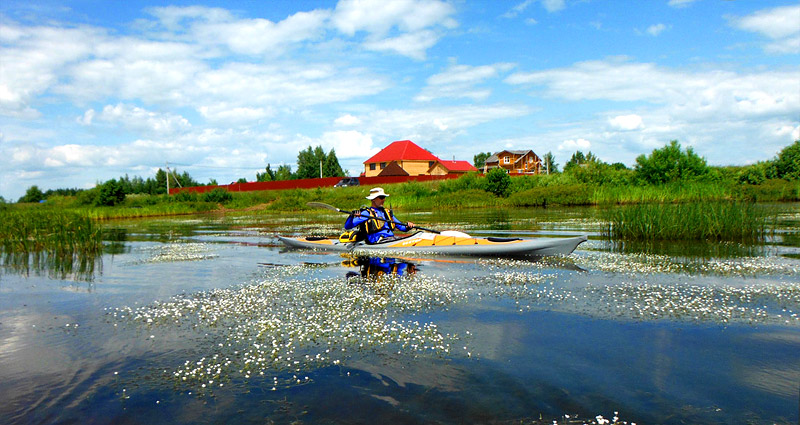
(470, 191)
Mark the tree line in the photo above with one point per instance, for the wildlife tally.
(669, 164)
(112, 192)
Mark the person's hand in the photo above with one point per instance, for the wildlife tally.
(410, 225)
(354, 213)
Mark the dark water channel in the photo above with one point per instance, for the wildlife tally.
(207, 319)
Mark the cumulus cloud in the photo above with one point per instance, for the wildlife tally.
(575, 145)
(626, 122)
(780, 24)
(347, 120)
(349, 144)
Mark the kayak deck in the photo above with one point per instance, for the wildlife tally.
(455, 243)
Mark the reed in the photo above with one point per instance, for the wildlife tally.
(52, 230)
(715, 221)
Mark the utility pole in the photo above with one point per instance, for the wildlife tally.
(320, 168)
(167, 165)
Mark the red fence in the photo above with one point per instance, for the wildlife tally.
(308, 183)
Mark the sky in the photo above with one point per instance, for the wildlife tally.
(220, 89)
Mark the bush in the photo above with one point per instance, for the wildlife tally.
(186, 196)
(670, 164)
(787, 165)
(109, 194)
(498, 182)
(217, 196)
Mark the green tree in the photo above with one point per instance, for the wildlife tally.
(310, 160)
(284, 172)
(479, 160)
(267, 176)
(787, 165)
(110, 193)
(498, 182)
(549, 163)
(330, 166)
(33, 194)
(670, 164)
(579, 159)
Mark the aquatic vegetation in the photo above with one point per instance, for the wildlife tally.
(648, 264)
(54, 231)
(286, 324)
(724, 304)
(731, 221)
(179, 251)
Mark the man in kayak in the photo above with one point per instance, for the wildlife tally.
(377, 222)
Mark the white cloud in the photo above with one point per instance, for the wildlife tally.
(138, 119)
(516, 10)
(687, 94)
(680, 3)
(413, 45)
(348, 144)
(781, 24)
(553, 5)
(458, 81)
(627, 122)
(347, 120)
(656, 29)
(378, 17)
(575, 145)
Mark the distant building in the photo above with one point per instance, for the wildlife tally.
(443, 167)
(409, 157)
(515, 162)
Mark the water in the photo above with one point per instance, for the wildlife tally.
(208, 319)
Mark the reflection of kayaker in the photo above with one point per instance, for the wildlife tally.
(376, 267)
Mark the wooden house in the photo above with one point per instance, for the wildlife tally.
(515, 162)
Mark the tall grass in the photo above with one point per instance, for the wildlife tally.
(55, 231)
(715, 221)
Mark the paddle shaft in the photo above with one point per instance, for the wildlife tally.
(332, 208)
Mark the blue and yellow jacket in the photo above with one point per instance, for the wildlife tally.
(376, 229)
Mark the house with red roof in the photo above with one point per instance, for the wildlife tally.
(444, 167)
(406, 154)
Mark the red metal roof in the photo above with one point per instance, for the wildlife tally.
(458, 165)
(402, 150)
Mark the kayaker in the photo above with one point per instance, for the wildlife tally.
(372, 219)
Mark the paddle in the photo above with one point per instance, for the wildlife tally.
(332, 208)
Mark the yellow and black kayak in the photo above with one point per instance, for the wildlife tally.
(445, 243)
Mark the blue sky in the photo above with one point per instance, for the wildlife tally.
(220, 89)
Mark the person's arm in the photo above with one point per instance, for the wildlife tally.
(356, 219)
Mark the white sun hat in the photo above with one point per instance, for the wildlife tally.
(376, 192)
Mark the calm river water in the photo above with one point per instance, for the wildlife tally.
(207, 319)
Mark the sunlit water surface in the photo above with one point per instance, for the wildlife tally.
(208, 319)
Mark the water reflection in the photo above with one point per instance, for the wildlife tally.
(375, 268)
(80, 267)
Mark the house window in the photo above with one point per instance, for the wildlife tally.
(372, 166)
(506, 160)
(383, 165)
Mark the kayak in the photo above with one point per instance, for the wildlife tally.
(446, 243)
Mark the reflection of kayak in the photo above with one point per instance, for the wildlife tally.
(447, 243)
